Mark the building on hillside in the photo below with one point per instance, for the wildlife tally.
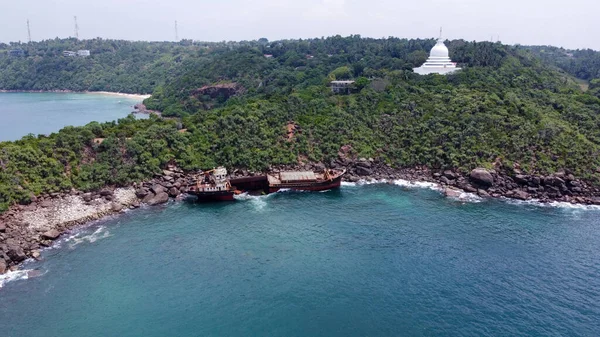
(16, 52)
(83, 53)
(438, 62)
(69, 53)
(342, 87)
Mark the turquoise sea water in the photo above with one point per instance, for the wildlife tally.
(374, 260)
(44, 113)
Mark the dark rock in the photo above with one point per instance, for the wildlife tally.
(106, 192)
(364, 163)
(148, 197)
(483, 193)
(535, 181)
(87, 197)
(445, 180)
(450, 174)
(482, 177)
(469, 188)
(52, 234)
(521, 179)
(2, 227)
(46, 204)
(141, 192)
(522, 195)
(159, 198)
(173, 192)
(594, 200)
(108, 197)
(363, 171)
(156, 188)
(16, 254)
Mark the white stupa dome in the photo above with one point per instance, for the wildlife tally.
(439, 50)
(439, 61)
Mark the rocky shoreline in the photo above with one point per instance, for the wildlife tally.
(25, 229)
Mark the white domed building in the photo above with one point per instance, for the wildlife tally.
(438, 62)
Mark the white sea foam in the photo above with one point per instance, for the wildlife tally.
(13, 276)
(100, 233)
(417, 184)
(468, 197)
(363, 182)
(553, 204)
(258, 201)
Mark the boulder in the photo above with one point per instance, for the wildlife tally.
(156, 188)
(46, 204)
(141, 192)
(452, 193)
(52, 234)
(483, 193)
(363, 171)
(159, 198)
(87, 197)
(521, 179)
(2, 227)
(168, 173)
(105, 192)
(522, 195)
(364, 163)
(482, 177)
(450, 174)
(16, 254)
(148, 197)
(469, 188)
(116, 207)
(445, 180)
(173, 192)
(2, 266)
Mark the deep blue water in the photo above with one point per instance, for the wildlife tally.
(376, 260)
(44, 113)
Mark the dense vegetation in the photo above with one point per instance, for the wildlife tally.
(583, 64)
(506, 104)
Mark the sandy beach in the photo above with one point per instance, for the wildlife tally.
(133, 96)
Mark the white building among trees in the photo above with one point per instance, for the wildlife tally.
(439, 61)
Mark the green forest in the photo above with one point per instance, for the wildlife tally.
(232, 104)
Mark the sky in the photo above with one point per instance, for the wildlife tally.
(570, 24)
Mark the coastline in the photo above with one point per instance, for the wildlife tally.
(108, 93)
(25, 229)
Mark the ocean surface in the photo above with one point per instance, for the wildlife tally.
(371, 260)
(44, 113)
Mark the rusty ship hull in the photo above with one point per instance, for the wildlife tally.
(213, 196)
(305, 181)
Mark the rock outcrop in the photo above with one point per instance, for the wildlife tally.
(482, 177)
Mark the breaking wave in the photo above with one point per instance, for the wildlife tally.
(100, 233)
(14, 276)
(258, 201)
(417, 184)
(553, 204)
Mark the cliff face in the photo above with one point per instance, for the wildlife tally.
(225, 90)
